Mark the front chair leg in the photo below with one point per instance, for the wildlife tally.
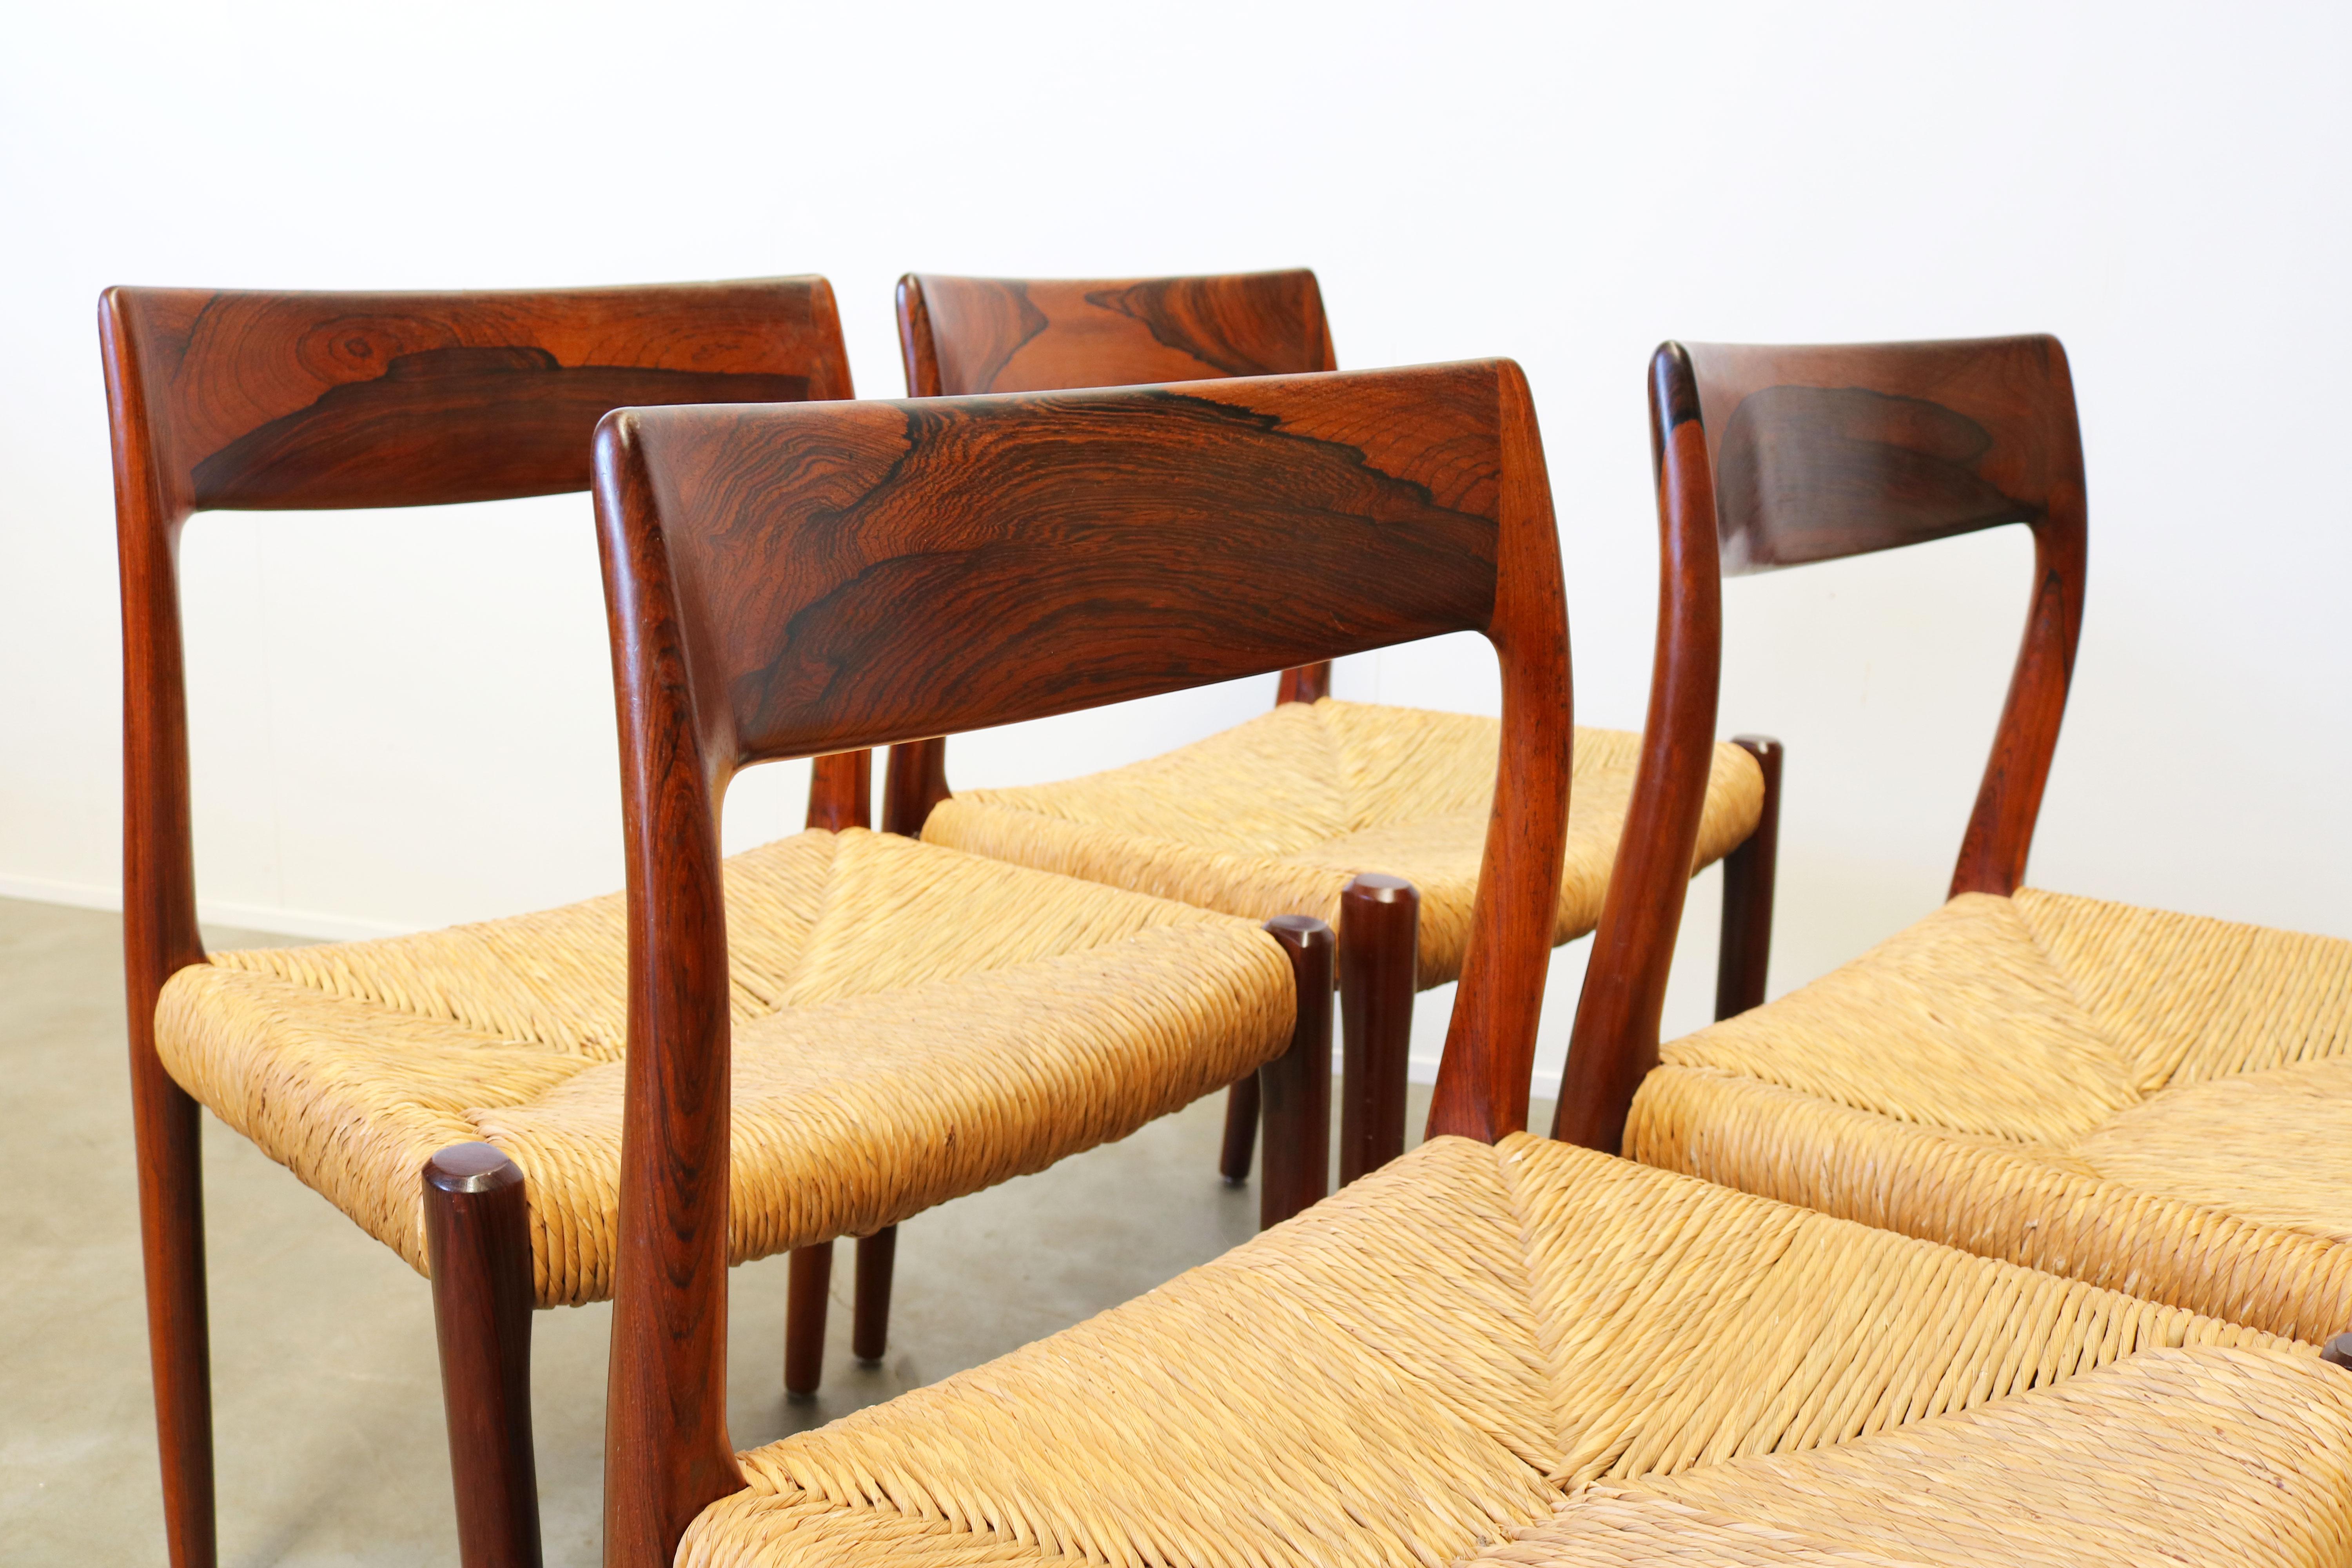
(805, 1301)
(870, 1321)
(1297, 1085)
(478, 1243)
(1379, 932)
(1745, 952)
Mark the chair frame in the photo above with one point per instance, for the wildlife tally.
(260, 401)
(961, 336)
(1889, 445)
(965, 336)
(735, 642)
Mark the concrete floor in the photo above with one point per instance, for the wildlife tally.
(326, 1401)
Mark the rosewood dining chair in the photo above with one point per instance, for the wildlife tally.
(246, 400)
(1498, 1347)
(1368, 815)
(2150, 1102)
(931, 1023)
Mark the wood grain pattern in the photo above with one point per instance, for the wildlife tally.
(1822, 452)
(1246, 527)
(966, 335)
(478, 1240)
(272, 400)
(1614, 1041)
(792, 581)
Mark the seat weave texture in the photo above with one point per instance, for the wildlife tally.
(2156, 1102)
(1276, 816)
(1538, 1354)
(910, 1024)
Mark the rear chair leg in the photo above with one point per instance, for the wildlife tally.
(1241, 1132)
(1297, 1085)
(477, 1242)
(1749, 873)
(870, 1321)
(166, 1124)
(1379, 930)
(805, 1312)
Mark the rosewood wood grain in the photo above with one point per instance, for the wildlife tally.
(1750, 873)
(966, 335)
(219, 398)
(1614, 1041)
(1380, 937)
(1295, 1088)
(869, 1329)
(1823, 452)
(794, 581)
(477, 1242)
(841, 791)
(960, 336)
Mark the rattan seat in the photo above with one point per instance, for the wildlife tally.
(2156, 1102)
(1278, 814)
(1533, 1354)
(910, 1024)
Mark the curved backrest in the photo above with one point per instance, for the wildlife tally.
(1821, 452)
(258, 399)
(790, 581)
(963, 335)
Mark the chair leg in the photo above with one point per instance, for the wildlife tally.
(869, 1333)
(804, 1313)
(1241, 1132)
(1750, 871)
(1297, 1085)
(478, 1240)
(1379, 930)
(167, 1126)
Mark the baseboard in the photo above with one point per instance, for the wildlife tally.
(270, 918)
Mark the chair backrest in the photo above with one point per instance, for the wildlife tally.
(966, 335)
(792, 581)
(1814, 453)
(257, 400)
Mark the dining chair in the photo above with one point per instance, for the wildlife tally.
(1498, 1347)
(1369, 816)
(2150, 1102)
(932, 1022)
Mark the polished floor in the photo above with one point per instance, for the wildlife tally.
(327, 1408)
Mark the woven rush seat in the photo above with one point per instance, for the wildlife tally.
(910, 1024)
(1533, 1354)
(1276, 815)
(2153, 1102)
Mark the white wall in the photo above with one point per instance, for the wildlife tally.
(404, 719)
